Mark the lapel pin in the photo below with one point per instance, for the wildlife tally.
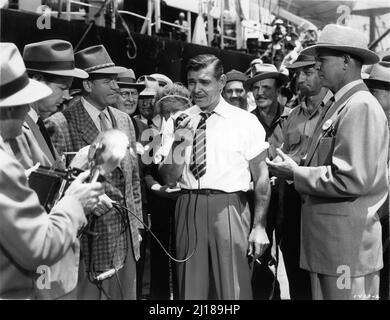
(327, 124)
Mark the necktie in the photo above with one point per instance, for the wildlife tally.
(45, 135)
(198, 161)
(104, 125)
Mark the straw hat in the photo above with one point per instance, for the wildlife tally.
(380, 73)
(151, 85)
(162, 79)
(344, 39)
(15, 86)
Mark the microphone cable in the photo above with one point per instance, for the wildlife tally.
(115, 204)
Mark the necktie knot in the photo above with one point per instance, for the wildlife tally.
(206, 115)
(104, 124)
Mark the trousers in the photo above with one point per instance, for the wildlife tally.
(213, 230)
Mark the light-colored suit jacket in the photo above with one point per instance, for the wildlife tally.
(29, 237)
(343, 184)
(46, 158)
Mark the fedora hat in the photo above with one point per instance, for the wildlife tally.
(380, 72)
(303, 60)
(53, 57)
(264, 71)
(127, 80)
(15, 86)
(344, 39)
(235, 75)
(96, 60)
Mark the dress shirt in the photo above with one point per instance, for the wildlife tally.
(299, 128)
(95, 112)
(233, 138)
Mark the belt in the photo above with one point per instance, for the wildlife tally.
(207, 191)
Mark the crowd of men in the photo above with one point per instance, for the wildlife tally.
(224, 172)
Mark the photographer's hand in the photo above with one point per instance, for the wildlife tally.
(86, 193)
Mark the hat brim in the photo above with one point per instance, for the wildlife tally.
(373, 81)
(300, 64)
(138, 86)
(109, 70)
(34, 91)
(266, 75)
(76, 72)
(148, 92)
(367, 56)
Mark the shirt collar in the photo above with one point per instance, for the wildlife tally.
(346, 88)
(33, 115)
(92, 110)
(325, 99)
(221, 109)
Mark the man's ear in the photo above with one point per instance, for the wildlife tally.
(87, 86)
(222, 82)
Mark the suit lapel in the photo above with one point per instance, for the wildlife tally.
(85, 124)
(40, 139)
(113, 119)
(333, 110)
(117, 123)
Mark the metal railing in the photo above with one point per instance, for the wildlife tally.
(155, 4)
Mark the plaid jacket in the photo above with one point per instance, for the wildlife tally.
(80, 131)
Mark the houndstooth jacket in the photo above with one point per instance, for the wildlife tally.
(80, 131)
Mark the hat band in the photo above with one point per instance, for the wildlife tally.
(127, 80)
(10, 88)
(50, 65)
(99, 66)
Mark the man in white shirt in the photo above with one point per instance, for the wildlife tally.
(213, 222)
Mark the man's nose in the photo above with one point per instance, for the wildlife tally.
(196, 87)
(301, 77)
(114, 85)
(260, 91)
(234, 94)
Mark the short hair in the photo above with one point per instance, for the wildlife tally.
(202, 61)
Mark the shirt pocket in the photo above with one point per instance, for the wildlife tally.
(293, 139)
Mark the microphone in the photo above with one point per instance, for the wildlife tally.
(106, 152)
